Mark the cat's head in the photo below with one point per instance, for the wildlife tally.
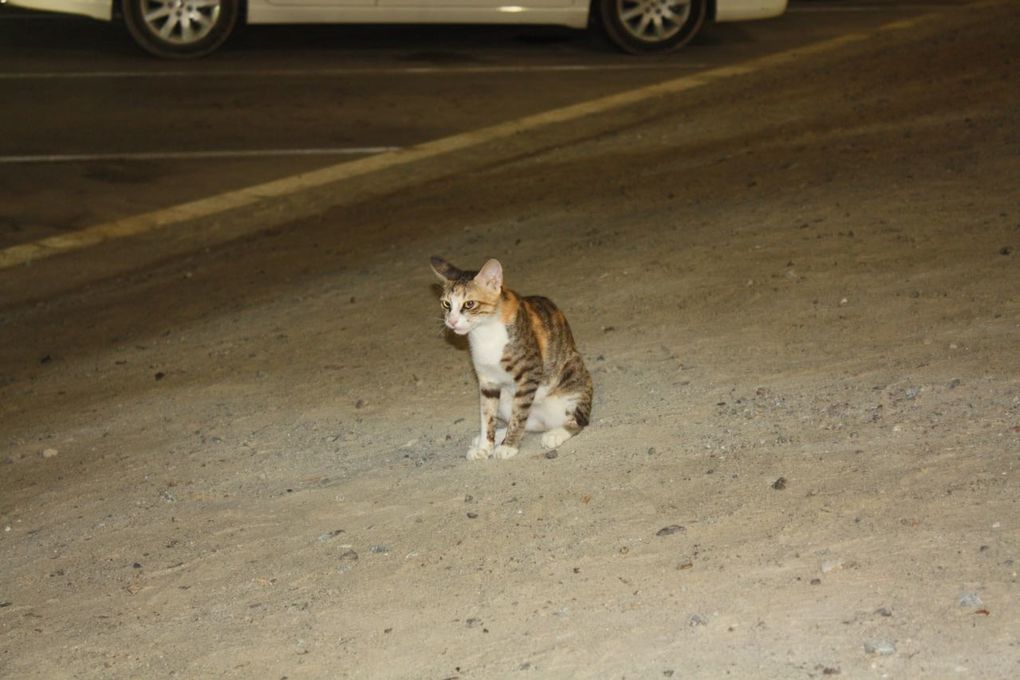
(469, 298)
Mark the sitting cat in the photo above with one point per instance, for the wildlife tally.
(530, 375)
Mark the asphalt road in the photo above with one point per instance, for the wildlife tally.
(93, 130)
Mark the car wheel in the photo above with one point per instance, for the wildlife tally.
(180, 29)
(651, 26)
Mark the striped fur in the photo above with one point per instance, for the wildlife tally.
(530, 375)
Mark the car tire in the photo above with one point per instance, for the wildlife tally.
(651, 26)
(180, 29)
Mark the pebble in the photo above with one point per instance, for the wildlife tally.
(49, 453)
(332, 534)
(880, 647)
(831, 565)
(671, 529)
(380, 549)
(779, 484)
(970, 600)
(552, 454)
(347, 561)
(697, 620)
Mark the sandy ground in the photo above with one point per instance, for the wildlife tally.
(799, 296)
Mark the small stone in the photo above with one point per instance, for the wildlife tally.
(697, 620)
(136, 565)
(552, 454)
(328, 535)
(831, 565)
(954, 383)
(970, 600)
(779, 484)
(884, 611)
(670, 530)
(360, 403)
(816, 581)
(46, 359)
(880, 647)
(379, 549)
(1005, 250)
(159, 375)
(49, 453)
(472, 515)
(347, 561)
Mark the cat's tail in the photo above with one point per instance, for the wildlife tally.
(582, 413)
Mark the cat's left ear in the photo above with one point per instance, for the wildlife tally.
(491, 276)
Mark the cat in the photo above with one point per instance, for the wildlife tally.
(530, 375)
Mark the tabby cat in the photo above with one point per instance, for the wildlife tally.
(530, 375)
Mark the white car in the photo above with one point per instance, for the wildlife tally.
(192, 28)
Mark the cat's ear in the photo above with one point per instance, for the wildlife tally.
(444, 270)
(491, 276)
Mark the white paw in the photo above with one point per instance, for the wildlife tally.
(553, 438)
(479, 452)
(503, 451)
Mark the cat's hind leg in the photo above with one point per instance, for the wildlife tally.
(555, 437)
(559, 417)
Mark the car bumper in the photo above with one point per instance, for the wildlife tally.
(745, 10)
(97, 9)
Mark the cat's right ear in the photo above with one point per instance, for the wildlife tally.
(444, 270)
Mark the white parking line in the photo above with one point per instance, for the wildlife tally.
(317, 73)
(192, 155)
(243, 198)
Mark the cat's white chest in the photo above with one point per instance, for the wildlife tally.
(488, 342)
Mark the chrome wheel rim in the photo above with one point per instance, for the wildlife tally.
(653, 21)
(181, 22)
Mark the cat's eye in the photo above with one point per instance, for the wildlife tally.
(470, 304)
(446, 304)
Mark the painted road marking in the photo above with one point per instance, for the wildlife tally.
(888, 9)
(316, 73)
(222, 203)
(192, 155)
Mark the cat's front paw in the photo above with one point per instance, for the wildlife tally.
(503, 451)
(477, 452)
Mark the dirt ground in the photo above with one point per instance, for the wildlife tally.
(799, 295)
